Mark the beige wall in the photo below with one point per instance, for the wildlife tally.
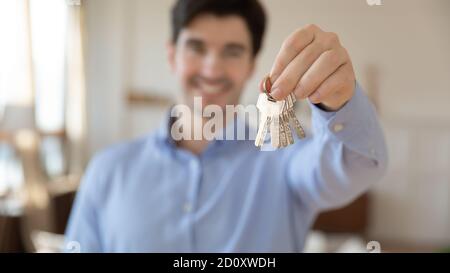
(400, 51)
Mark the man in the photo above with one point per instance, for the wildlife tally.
(156, 194)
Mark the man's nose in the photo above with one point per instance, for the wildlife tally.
(213, 66)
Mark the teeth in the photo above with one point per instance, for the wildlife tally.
(211, 89)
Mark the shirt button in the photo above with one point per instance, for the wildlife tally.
(338, 127)
(187, 207)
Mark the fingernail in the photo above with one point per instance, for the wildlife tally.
(275, 93)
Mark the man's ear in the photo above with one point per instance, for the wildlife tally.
(170, 50)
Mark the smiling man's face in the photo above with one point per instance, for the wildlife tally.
(213, 58)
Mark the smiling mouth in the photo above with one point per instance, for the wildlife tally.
(212, 90)
(215, 88)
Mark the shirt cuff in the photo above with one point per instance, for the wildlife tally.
(355, 124)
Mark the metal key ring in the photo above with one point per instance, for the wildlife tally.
(267, 86)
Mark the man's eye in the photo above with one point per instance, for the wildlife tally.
(198, 49)
(232, 53)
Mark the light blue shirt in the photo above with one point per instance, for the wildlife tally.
(150, 196)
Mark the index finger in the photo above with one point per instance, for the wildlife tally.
(291, 47)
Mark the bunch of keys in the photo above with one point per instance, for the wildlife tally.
(276, 117)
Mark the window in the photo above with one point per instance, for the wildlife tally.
(32, 50)
(48, 38)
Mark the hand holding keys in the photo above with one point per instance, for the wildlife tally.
(275, 117)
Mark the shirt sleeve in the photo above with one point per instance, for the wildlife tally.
(82, 233)
(344, 157)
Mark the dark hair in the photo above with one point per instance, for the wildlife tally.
(184, 11)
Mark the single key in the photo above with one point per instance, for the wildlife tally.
(264, 120)
(298, 128)
(269, 110)
(275, 110)
(287, 128)
(291, 109)
(290, 139)
(283, 137)
(291, 116)
(284, 121)
(284, 127)
(262, 130)
(275, 132)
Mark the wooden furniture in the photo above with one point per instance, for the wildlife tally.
(10, 213)
(144, 98)
(10, 234)
(353, 218)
